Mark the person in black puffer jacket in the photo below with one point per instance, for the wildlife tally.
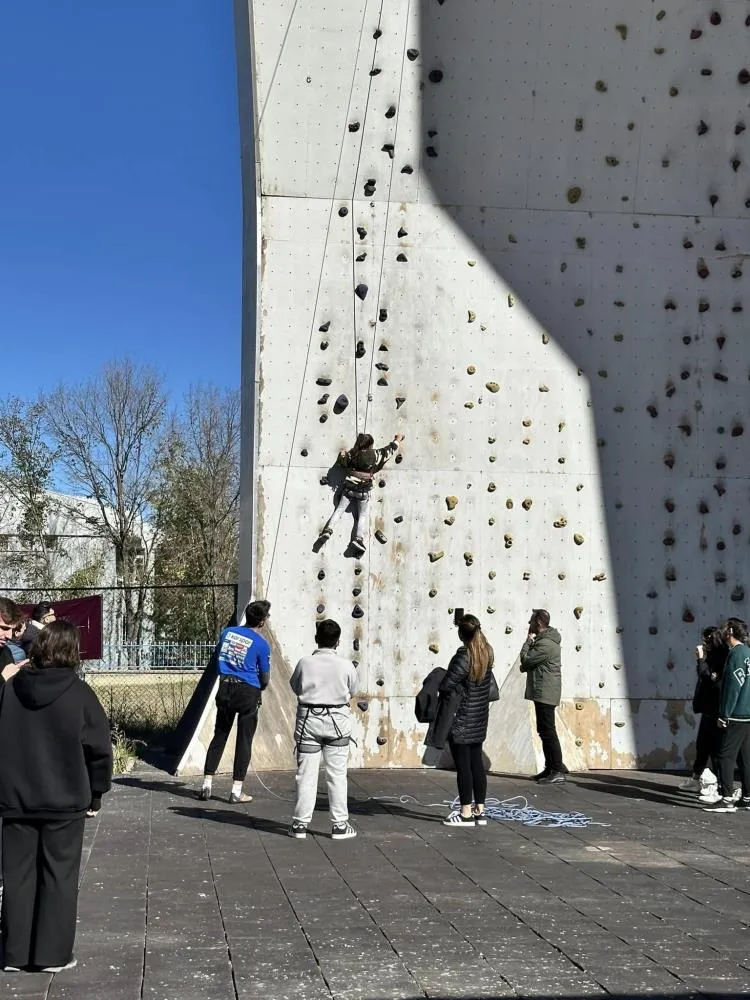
(470, 669)
(55, 765)
(711, 656)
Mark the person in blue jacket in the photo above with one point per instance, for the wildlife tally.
(243, 659)
(734, 718)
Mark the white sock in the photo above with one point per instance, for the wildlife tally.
(236, 788)
(207, 780)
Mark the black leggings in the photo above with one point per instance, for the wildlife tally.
(472, 781)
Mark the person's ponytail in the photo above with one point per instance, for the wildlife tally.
(481, 655)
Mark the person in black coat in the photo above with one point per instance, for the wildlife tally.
(711, 655)
(55, 765)
(469, 675)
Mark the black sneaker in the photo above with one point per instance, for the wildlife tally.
(456, 819)
(298, 830)
(553, 778)
(343, 831)
(480, 818)
(722, 806)
(542, 774)
(743, 803)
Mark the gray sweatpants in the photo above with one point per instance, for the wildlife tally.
(360, 508)
(322, 732)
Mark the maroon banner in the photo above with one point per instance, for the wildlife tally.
(86, 613)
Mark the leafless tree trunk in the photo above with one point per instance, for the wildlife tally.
(109, 436)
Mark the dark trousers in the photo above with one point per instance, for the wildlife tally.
(545, 727)
(707, 745)
(41, 861)
(470, 776)
(234, 698)
(735, 744)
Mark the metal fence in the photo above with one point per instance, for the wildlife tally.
(162, 656)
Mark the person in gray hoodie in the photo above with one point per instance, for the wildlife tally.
(540, 661)
(324, 683)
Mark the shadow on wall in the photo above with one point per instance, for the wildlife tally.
(599, 167)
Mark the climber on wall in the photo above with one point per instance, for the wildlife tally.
(361, 464)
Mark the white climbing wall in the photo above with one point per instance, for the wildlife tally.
(517, 232)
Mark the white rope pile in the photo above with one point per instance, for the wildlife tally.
(515, 809)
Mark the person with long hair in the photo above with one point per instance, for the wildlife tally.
(362, 462)
(711, 656)
(55, 766)
(469, 670)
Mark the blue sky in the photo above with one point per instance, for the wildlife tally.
(120, 203)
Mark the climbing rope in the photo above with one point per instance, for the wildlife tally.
(515, 809)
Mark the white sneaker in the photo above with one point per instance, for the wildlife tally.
(737, 795)
(61, 968)
(709, 795)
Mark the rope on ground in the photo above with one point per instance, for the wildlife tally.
(515, 809)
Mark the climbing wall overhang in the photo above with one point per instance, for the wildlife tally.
(516, 233)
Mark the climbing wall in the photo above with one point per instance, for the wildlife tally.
(517, 233)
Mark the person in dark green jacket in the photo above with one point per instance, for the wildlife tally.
(734, 718)
(540, 661)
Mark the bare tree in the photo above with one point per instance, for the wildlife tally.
(109, 435)
(26, 464)
(199, 515)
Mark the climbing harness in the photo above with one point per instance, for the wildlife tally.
(312, 743)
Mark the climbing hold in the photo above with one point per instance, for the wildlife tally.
(391, 112)
(380, 537)
(511, 301)
(736, 529)
(471, 263)
(721, 377)
(670, 304)
(360, 350)
(702, 269)
(400, 400)
(398, 518)
(382, 317)
(304, 453)
(383, 381)
(544, 388)
(469, 405)
(402, 258)
(380, 682)
(402, 233)
(601, 86)
(491, 521)
(509, 504)
(744, 76)
(370, 187)
(435, 75)
(388, 148)
(361, 256)
(434, 556)
(696, 33)
(382, 366)
(492, 574)
(325, 327)
(512, 238)
(578, 612)
(468, 558)
(407, 169)
(492, 386)
(472, 316)
(545, 338)
(431, 152)
(574, 195)
(707, 72)
(323, 417)
(579, 125)
(434, 647)
(323, 380)
(376, 71)
(526, 504)
(323, 399)
(451, 502)
(720, 488)
(433, 593)
(363, 706)
(688, 616)
(561, 522)
(622, 30)
(508, 539)
(670, 506)
(611, 161)
(578, 539)
(713, 199)
(737, 430)
(354, 126)
(702, 127)
(471, 370)
(491, 487)
(599, 578)
(320, 609)
(341, 404)
(357, 612)
(381, 741)
(412, 54)
(361, 292)
(737, 595)
(343, 212)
